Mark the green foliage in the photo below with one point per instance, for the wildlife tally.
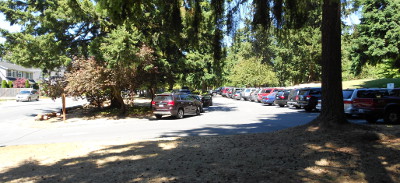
(10, 84)
(27, 85)
(4, 84)
(378, 37)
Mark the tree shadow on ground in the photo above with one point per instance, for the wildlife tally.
(300, 154)
(379, 83)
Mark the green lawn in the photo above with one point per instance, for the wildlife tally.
(371, 83)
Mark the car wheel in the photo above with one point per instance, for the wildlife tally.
(308, 109)
(281, 105)
(297, 107)
(37, 99)
(180, 114)
(158, 116)
(370, 118)
(198, 111)
(201, 110)
(17, 100)
(29, 99)
(392, 116)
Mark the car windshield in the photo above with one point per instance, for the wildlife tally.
(163, 97)
(266, 91)
(24, 92)
(347, 94)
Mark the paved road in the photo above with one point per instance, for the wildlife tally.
(226, 117)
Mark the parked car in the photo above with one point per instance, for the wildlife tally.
(225, 91)
(282, 98)
(175, 104)
(27, 95)
(253, 95)
(269, 99)
(246, 93)
(232, 92)
(198, 101)
(207, 100)
(266, 92)
(308, 98)
(216, 91)
(237, 95)
(376, 104)
(293, 98)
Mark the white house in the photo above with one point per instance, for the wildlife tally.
(10, 72)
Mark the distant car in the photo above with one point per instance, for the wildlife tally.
(254, 95)
(216, 91)
(266, 92)
(175, 104)
(207, 100)
(27, 95)
(198, 101)
(246, 93)
(237, 95)
(282, 98)
(293, 98)
(269, 99)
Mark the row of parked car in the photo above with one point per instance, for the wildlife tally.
(369, 103)
(179, 103)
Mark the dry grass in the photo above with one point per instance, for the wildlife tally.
(300, 154)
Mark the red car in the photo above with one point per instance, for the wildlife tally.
(266, 92)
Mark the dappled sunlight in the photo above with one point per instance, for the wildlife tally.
(168, 145)
(110, 159)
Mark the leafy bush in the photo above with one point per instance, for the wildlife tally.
(27, 85)
(10, 84)
(19, 83)
(4, 84)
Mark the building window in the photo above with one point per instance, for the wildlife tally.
(14, 73)
(19, 74)
(9, 73)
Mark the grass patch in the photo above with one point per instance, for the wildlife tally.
(371, 83)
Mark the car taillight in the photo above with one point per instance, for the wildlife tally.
(296, 98)
(282, 97)
(171, 103)
(153, 102)
(348, 102)
(308, 97)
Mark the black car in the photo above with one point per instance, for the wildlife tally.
(177, 105)
(282, 98)
(308, 98)
(207, 100)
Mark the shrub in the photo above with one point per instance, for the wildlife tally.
(27, 85)
(19, 83)
(10, 84)
(4, 84)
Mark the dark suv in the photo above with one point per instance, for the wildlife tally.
(177, 105)
(308, 98)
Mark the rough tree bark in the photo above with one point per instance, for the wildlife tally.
(332, 114)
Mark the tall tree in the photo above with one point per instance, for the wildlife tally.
(294, 14)
(378, 36)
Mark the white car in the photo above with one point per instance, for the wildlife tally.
(27, 95)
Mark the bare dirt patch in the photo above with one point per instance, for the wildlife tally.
(300, 154)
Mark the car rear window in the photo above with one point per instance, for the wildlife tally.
(315, 92)
(347, 94)
(24, 92)
(372, 93)
(303, 92)
(163, 97)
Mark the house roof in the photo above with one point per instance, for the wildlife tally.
(12, 66)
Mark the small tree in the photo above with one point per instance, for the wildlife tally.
(10, 84)
(4, 84)
(27, 85)
(19, 83)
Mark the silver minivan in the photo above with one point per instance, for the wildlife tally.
(27, 95)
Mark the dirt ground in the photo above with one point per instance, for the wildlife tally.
(300, 154)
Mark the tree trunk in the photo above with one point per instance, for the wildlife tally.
(117, 101)
(332, 114)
